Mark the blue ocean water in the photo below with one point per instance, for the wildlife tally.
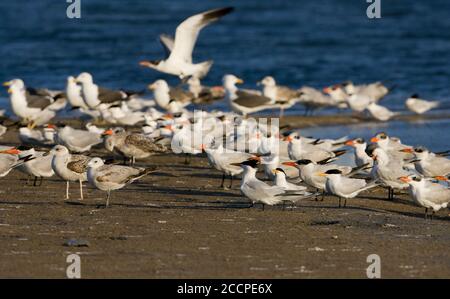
(299, 42)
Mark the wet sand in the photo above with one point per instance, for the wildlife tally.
(178, 223)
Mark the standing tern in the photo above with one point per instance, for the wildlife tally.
(361, 157)
(179, 62)
(259, 192)
(427, 194)
(420, 106)
(39, 167)
(429, 164)
(344, 187)
(113, 177)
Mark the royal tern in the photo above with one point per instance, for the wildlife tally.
(429, 164)
(39, 167)
(259, 192)
(280, 181)
(9, 159)
(179, 62)
(222, 159)
(298, 149)
(420, 106)
(387, 171)
(309, 170)
(361, 157)
(69, 167)
(343, 186)
(427, 194)
(380, 113)
(113, 177)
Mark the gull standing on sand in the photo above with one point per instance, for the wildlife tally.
(344, 187)
(179, 61)
(69, 167)
(131, 145)
(113, 177)
(34, 109)
(93, 95)
(427, 194)
(244, 102)
(282, 95)
(419, 106)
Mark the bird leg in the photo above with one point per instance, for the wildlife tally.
(108, 197)
(187, 161)
(263, 207)
(323, 195)
(67, 190)
(345, 202)
(339, 202)
(223, 181)
(40, 183)
(426, 213)
(35, 181)
(432, 215)
(81, 190)
(231, 182)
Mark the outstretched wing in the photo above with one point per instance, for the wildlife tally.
(187, 33)
(167, 42)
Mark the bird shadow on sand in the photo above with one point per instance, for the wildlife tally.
(209, 193)
(419, 215)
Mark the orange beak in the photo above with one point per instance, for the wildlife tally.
(292, 164)
(108, 133)
(12, 151)
(407, 150)
(404, 179)
(50, 126)
(350, 143)
(326, 90)
(288, 139)
(145, 63)
(441, 178)
(218, 88)
(374, 140)
(169, 127)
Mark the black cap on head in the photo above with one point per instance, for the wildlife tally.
(414, 96)
(24, 147)
(304, 162)
(333, 171)
(360, 140)
(281, 170)
(252, 163)
(370, 148)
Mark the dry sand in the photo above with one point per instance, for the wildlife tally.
(178, 224)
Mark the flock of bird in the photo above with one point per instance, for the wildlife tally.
(294, 167)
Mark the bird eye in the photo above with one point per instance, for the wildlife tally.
(383, 136)
(419, 150)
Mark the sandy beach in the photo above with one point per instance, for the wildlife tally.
(177, 223)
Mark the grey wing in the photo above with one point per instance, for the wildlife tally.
(118, 174)
(110, 96)
(251, 100)
(351, 185)
(37, 101)
(144, 143)
(180, 95)
(78, 163)
(439, 194)
(167, 42)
